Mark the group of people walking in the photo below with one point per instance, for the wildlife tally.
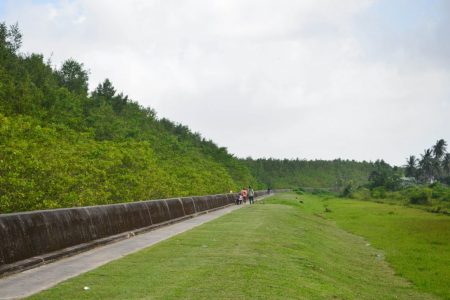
(246, 194)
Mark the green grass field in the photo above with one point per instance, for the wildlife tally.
(278, 249)
(416, 243)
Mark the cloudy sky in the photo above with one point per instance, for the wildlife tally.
(314, 79)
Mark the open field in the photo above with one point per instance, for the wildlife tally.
(278, 249)
(416, 243)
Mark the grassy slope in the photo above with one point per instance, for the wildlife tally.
(274, 250)
(416, 243)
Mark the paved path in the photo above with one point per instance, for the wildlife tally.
(34, 280)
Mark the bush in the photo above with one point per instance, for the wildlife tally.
(378, 192)
(446, 180)
(420, 196)
(361, 193)
(299, 191)
(440, 192)
(348, 190)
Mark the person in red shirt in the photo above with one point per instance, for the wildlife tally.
(244, 194)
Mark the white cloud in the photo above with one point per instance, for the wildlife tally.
(264, 78)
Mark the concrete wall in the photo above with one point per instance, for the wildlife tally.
(38, 236)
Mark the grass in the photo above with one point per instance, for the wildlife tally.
(432, 198)
(277, 249)
(416, 243)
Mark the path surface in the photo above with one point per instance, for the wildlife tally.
(34, 280)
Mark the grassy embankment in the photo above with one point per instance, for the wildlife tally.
(282, 249)
(416, 243)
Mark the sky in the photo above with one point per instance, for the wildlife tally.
(310, 79)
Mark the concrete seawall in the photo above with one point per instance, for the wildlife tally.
(31, 238)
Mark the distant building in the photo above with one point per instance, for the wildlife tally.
(408, 181)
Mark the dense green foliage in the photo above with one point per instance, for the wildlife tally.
(47, 167)
(425, 184)
(286, 173)
(62, 146)
(385, 176)
(433, 165)
(279, 249)
(434, 197)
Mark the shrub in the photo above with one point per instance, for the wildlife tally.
(299, 191)
(361, 193)
(348, 190)
(420, 196)
(440, 191)
(378, 192)
(446, 180)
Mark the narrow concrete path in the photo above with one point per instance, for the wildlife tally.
(41, 278)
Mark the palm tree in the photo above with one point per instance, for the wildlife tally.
(439, 149)
(411, 166)
(426, 165)
(446, 164)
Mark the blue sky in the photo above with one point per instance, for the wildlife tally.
(3, 4)
(355, 79)
(404, 15)
(2, 8)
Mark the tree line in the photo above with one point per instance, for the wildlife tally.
(422, 181)
(433, 164)
(292, 173)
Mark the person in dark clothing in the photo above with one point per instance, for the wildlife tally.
(251, 195)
